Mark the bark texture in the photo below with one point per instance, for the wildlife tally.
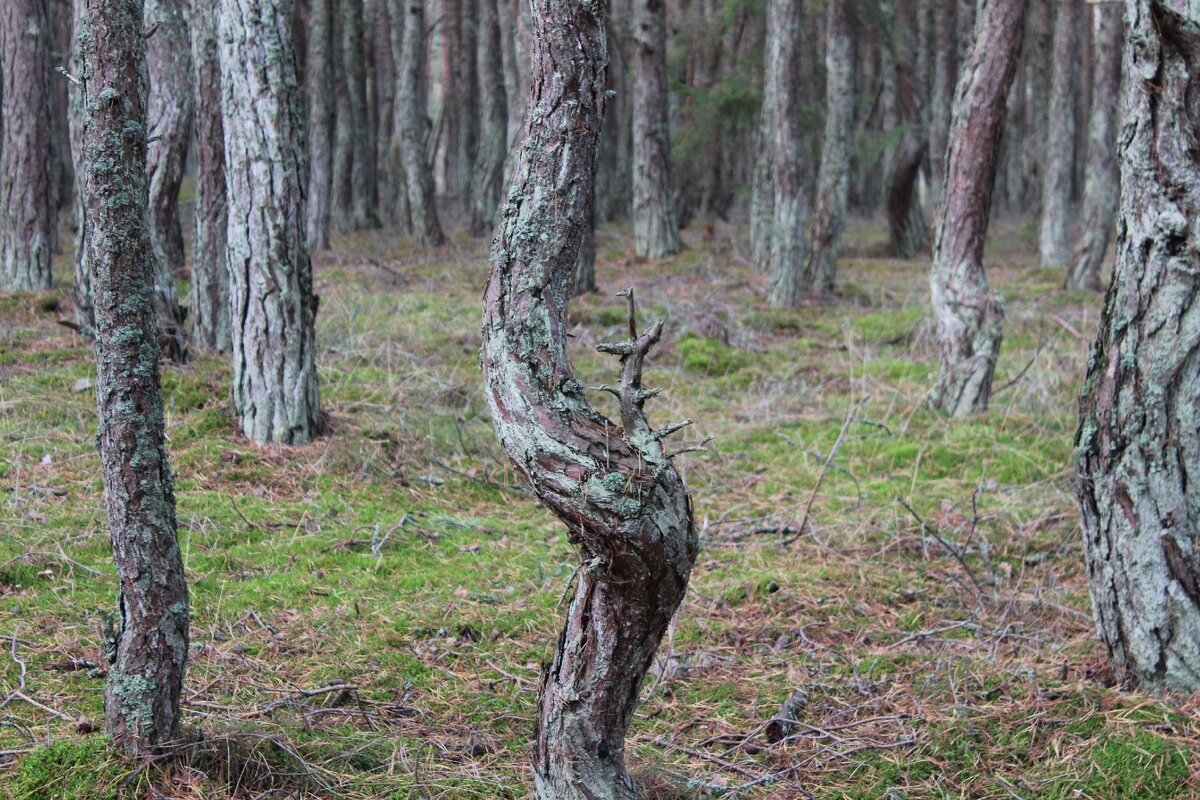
(273, 306)
(969, 317)
(612, 484)
(27, 215)
(941, 98)
(209, 299)
(410, 124)
(148, 653)
(1102, 177)
(319, 89)
(1137, 448)
(655, 228)
(1054, 245)
(493, 128)
(76, 115)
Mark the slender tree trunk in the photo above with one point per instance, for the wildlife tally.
(614, 171)
(26, 203)
(383, 81)
(84, 318)
(969, 317)
(833, 179)
(168, 53)
(1137, 449)
(906, 221)
(319, 90)
(62, 164)
(1101, 182)
(410, 102)
(614, 486)
(782, 93)
(148, 653)
(655, 229)
(400, 186)
(274, 372)
(493, 140)
(210, 274)
(362, 176)
(945, 68)
(585, 267)
(1054, 239)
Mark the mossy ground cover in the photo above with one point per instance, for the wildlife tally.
(370, 612)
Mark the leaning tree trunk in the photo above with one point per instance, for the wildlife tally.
(1137, 445)
(1101, 182)
(148, 653)
(613, 485)
(969, 317)
(210, 275)
(26, 206)
(493, 128)
(789, 206)
(655, 229)
(319, 90)
(274, 309)
(410, 124)
(1053, 240)
(833, 179)
(168, 53)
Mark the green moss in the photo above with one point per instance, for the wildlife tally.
(888, 327)
(69, 770)
(710, 357)
(1143, 766)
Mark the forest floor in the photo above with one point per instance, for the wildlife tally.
(370, 612)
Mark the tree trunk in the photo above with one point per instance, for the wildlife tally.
(362, 175)
(390, 185)
(320, 92)
(26, 207)
(655, 229)
(1137, 450)
(833, 179)
(969, 317)
(1101, 184)
(148, 653)
(493, 139)
(274, 372)
(410, 106)
(210, 275)
(907, 229)
(614, 486)
(1054, 241)
(62, 170)
(462, 102)
(585, 268)
(789, 206)
(75, 121)
(614, 169)
(168, 53)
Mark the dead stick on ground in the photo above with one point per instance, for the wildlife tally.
(853, 415)
(785, 719)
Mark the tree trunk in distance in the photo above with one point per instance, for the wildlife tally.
(1054, 240)
(1137, 451)
(655, 229)
(410, 103)
(275, 393)
(907, 229)
(75, 120)
(26, 207)
(969, 317)
(363, 176)
(945, 64)
(62, 172)
(782, 92)
(1101, 184)
(585, 268)
(614, 486)
(319, 90)
(493, 139)
(148, 653)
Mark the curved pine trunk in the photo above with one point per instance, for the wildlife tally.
(410, 107)
(1137, 446)
(274, 309)
(907, 229)
(493, 138)
(655, 228)
(149, 654)
(613, 485)
(319, 89)
(782, 94)
(1054, 240)
(969, 317)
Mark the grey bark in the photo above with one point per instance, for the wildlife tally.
(461, 97)
(75, 121)
(907, 228)
(209, 297)
(969, 317)
(362, 175)
(784, 138)
(1137, 449)
(410, 108)
(62, 164)
(493, 123)
(1054, 240)
(148, 651)
(945, 66)
(585, 267)
(319, 91)
(275, 393)
(26, 202)
(614, 170)
(1101, 181)
(655, 228)
(613, 485)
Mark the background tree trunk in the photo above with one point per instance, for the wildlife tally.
(26, 207)
(362, 176)
(319, 90)
(945, 71)
(613, 486)
(75, 121)
(1137, 450)
(655, 229)
(969, 317)
(493, 138)
(1101, 182)
(410, 103)
(1054, 239)
(274, 372)
(62, 164)
(782, 93)
(210, 274)
(907, 229)
(149, 654)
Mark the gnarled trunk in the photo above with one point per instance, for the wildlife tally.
(1137, 447)
(410, 124)
(1053, 240)
(655, 228)
(613, 485)
(148, 653)
(493, 138)
(969, 317)
(319, 89)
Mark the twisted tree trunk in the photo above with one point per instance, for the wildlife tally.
(1137, 446)
(613, 485)
(493, 140)
(410, 108)
(969, 317)
(319, 90)
(1054, 240)
(148, 653)
(782, 104)
(655, 228)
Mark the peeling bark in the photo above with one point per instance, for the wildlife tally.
(149, 654)
(612, 484)
(655, 228)
(1053, 240)
(1137, 446)
(410, 108)
(493, 139)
